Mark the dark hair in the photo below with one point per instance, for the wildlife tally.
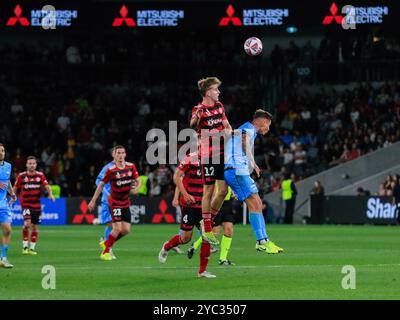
(260, 113)
(2, 145)
(31, 158)
(118, 147)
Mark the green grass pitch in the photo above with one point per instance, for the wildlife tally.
(310, 267)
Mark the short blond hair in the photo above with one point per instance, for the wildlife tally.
(206, 83)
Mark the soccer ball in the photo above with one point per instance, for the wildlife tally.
(253, 46)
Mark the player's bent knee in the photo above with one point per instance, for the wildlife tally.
(6, 232)
(228, 232)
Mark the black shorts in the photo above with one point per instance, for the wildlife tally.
(120, 214)
(224, 215)
(212, 169)
(33, 215)
(190, 217)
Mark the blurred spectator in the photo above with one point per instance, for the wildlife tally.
(318, 189)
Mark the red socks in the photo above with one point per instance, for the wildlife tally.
(208, 218)
(34, 236)
(173, 242)
(25, 233)
(109, 243)
(204, 255)
(207, 221)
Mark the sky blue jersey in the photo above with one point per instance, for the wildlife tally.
(235, 155)
(107, 186)
(5, 175)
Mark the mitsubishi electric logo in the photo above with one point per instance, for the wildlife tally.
(45, 17)
(353, 16)
(230, 18)
(255, 17)
(123, 18)
(333, 16)
(149, 18)
(23, 21)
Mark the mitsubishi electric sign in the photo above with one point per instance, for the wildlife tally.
(46, 17)
(148, 18)
(368, 15)
(355, 15)
(264, 17)
(254, 17)
(159, 18)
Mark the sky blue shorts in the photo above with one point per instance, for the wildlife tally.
(5, 215)
(242, 185)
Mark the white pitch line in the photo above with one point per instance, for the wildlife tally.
(218, 267)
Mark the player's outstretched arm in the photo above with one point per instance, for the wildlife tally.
(178, 181)
(99, 189)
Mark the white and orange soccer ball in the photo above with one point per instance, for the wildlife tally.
(253, 46)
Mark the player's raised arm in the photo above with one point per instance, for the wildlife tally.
(178, 181)
(97, 193)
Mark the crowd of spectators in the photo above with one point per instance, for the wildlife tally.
(387, 188)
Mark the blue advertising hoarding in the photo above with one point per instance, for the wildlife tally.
(53, 213)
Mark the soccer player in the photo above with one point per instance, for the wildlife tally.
(105, 209)
(210, 121)
(225, 219)
(239, 162)
(5, 212)
(191, 189)
(123, 178)
(29, 185)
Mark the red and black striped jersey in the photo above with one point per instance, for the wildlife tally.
(210, 124)
(121, 181)
(29, 185)
(192, 180)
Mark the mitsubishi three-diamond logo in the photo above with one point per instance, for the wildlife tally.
(18, 18)
(333, 16)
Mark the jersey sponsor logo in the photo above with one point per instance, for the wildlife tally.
(121, 183)
(379, 210)
(30, 186)
(212, 122)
